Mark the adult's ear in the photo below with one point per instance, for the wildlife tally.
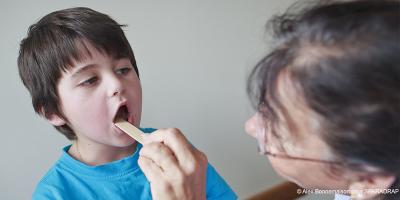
(363, 188)
(53, 118)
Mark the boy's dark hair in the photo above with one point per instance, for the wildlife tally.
(51, 46)
(345, 58)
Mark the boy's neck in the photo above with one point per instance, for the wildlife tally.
(99, 154)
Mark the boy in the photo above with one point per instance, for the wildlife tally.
(81, 73)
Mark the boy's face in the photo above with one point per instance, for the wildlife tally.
(91, 94)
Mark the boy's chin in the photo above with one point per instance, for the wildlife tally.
(126, 143)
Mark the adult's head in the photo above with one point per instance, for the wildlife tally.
(328, 96)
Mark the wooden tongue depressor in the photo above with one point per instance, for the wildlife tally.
(131, 130)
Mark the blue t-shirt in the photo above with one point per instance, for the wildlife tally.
(121, 179)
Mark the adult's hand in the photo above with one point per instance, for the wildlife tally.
(174, 168)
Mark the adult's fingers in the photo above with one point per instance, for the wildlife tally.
(176, 141)
(150, 169)
(162, 156)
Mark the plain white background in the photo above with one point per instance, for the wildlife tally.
(193, 57)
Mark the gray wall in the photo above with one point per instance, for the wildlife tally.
(193, 57)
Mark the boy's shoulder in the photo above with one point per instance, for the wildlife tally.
(49, 175)
(48, 185)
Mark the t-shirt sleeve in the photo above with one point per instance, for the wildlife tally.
(46, 192)
(49, 187)
(216, 187)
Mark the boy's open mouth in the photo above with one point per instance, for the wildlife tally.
(122, 114)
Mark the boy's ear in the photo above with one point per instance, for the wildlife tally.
(54, 119)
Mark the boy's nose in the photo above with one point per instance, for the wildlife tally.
(116, 87)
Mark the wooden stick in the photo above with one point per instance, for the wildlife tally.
(131, 130)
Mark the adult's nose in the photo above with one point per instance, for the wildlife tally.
(252, 124)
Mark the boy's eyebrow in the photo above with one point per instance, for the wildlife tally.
(83, 69)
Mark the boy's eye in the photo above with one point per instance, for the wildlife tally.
(89, 81)
(124, 70)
